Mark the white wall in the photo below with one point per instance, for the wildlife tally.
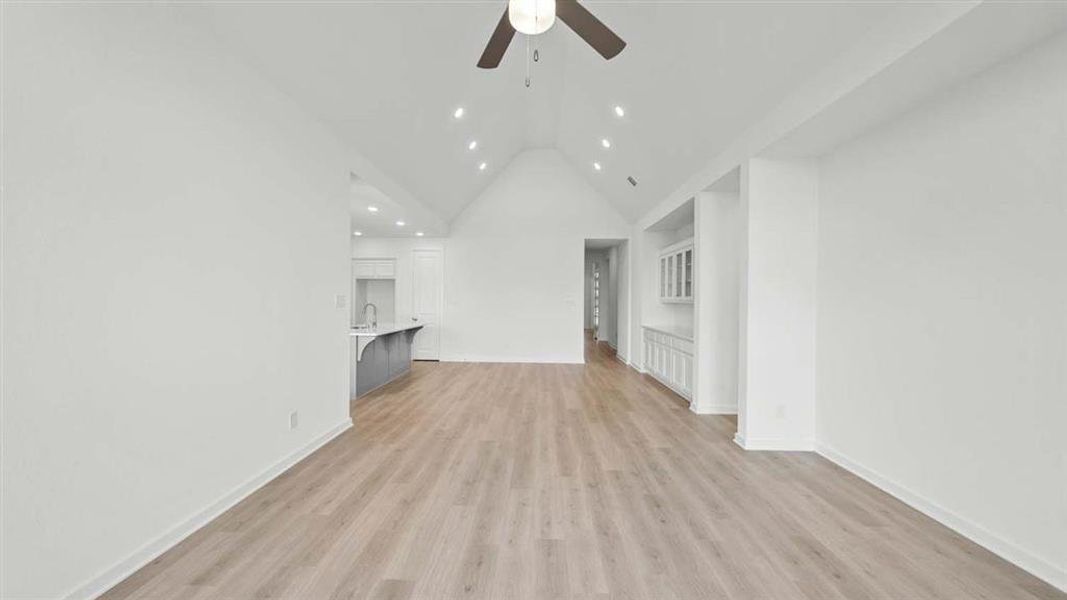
(622, 349)
(174, 235)
(716, 311)
(613, 297)
(776, 396)
(942, 361)
(514, 265)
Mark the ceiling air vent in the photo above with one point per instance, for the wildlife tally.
(632, 181)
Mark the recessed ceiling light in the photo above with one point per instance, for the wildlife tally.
(619, 111)
(472, 145)
(399, 223)
(605, 143)
(372, 208)
(482, 166)
(596, 166)
(418, 233)
(357, 233)
(459, 113)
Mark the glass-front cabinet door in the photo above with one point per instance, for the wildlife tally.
(678, 275)
(688, 292)
(663, 277)
(670, 276)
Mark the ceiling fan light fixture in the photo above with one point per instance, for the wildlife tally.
(532, 16)
(537, 16)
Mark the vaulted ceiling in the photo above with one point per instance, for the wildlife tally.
(386, 77)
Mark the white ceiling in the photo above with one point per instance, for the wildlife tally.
(386, 78)
(680, 217)
(959, 51)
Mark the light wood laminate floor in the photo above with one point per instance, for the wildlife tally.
(565, 481)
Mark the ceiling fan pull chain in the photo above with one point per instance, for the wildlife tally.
(537, 17)
(536, 55)
(527, 61)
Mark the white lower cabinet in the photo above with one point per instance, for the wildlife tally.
(682, 372)
(669, 359)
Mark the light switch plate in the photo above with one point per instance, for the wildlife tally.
(339, 300)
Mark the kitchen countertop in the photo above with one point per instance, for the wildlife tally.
(384, 329)
(673, 330)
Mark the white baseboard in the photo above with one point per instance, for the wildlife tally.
(774, 444)
(150, 551)
(621, 359)
(1023, 559)
(714, 409)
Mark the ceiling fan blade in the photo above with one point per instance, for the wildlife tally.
(589, 28)
(498, 43)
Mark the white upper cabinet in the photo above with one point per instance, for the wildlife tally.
(385, 269)
(374, 268)
(676, 272)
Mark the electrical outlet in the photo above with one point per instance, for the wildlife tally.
(339, 300)
(294, 419)
(779, 411)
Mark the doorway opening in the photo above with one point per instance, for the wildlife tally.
(605, 306)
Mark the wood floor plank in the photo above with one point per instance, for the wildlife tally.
(520, 481)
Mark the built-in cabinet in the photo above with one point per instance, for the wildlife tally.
(374, 268)
(676, 272)
(669, 358)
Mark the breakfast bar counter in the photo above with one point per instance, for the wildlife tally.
(381, 354)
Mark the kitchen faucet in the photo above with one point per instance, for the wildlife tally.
(363, 318)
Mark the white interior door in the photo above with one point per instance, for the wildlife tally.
(427, 286)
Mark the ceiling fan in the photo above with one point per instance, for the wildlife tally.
(533, 17)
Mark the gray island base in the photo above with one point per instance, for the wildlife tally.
(381, 354)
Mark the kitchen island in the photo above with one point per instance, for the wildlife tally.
(381, 354)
